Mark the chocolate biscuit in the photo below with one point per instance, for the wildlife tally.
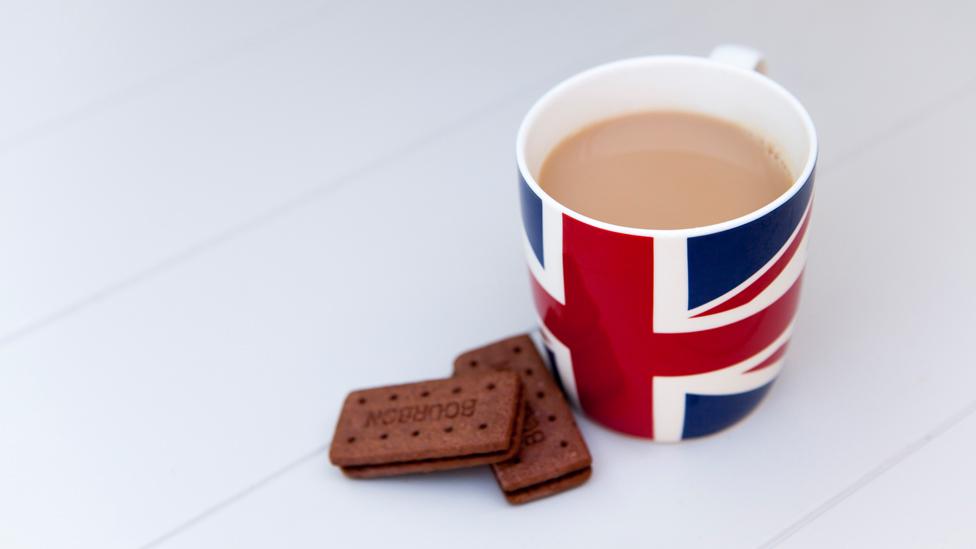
(553, 456)
(549, 487)
(429, 426)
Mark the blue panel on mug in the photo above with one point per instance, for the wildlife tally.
(707, 414)
(719, 262)
(554, 370)
(532, 218)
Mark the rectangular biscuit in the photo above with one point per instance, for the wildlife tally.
(549, 487)
(553, 455)
(429, 426)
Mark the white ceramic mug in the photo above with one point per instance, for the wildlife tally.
(668, 334)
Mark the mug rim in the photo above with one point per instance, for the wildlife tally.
(530, 118)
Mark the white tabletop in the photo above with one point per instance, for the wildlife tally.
(216, 218)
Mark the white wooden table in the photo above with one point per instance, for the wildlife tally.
(216, 218)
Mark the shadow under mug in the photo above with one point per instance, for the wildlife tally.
(668, 334)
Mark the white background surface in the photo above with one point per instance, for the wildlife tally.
(218, 217)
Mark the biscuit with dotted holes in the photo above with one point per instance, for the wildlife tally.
(429, 426)
(553, 457)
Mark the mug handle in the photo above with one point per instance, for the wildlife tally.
(743, 57)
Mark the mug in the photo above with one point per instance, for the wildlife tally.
(679, 333)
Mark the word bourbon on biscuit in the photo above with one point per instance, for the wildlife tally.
(421, 413)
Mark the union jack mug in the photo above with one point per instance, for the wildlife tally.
(668, 334)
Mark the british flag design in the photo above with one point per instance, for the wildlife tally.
(666, 337)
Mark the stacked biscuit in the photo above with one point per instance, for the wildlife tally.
(502, 407)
